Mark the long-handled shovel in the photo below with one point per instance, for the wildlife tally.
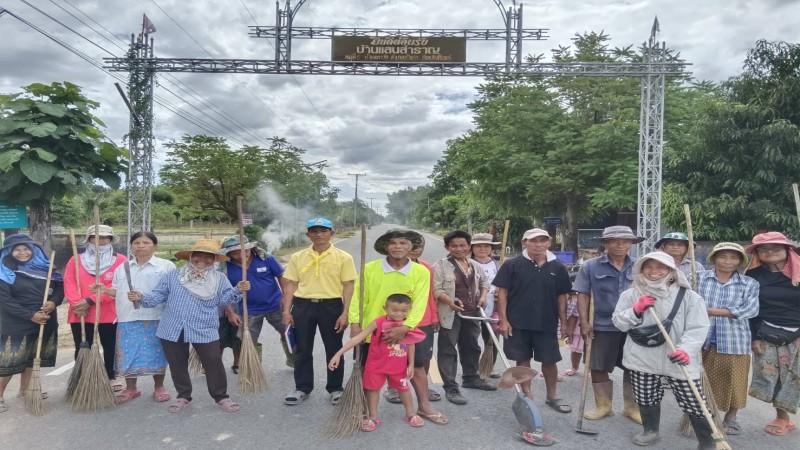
(84, 348)
(33, 395)
(715, 433)
(251, 376)
(587, 364)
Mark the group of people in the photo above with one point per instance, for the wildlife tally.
(151, 311)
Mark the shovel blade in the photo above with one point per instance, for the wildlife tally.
(527, 414)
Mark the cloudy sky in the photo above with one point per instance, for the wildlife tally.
(391, 128)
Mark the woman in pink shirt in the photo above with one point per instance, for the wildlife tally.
(82, 303)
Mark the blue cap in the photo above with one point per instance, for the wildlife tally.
(319, 222)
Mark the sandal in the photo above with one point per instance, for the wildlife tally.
(392, 396)
(295, 398)
(335, 397)
(779, 427)
(127, 395)
(21, 394)
(732, 428)
(116, 386)
(414, 421)
(235, 369)
(227, 405)
(559, 405)
(568, 372)
(539, 438)
(3, 407)
(161, 395)
(179, 405)
(438, 418)
(433, 396)
(370, 425)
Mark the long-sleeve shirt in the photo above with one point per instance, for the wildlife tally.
(108, 310)
(20, 301)
(183, 312)
(731, 335)
(144, 278)
(381, 281)
(688, 333)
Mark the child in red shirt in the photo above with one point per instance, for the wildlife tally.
(386, 361)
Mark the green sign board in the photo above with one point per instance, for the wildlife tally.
(14, 216)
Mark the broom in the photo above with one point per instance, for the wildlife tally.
(33, 395)
(352, 407)
(84, 347)
(252, 379)
(195, 365)
(93, 392)
(719, 438)
(685, 425)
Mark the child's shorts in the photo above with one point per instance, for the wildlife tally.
(375, 381)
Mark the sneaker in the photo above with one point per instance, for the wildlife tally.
(454, 396)
(478, 383)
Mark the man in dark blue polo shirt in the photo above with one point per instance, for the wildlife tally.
(605, 278)
(531, 299)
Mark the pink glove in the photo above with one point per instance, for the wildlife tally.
(679, 357)
(643, 303)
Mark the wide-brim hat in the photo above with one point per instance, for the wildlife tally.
(231, 244)
(659, 256)
(18, 239)
(516, 375)
(104, 230)
(674, 236)
(204, 246)
(618, 232)
(415, 238)
(484, 238)
(732, 246)
(771, 237)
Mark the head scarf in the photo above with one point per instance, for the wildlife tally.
(202, 283)
(36, 267)
(107, 258)
(791, 269)
(658, 288)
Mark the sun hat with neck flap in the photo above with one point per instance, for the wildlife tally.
(204, 246)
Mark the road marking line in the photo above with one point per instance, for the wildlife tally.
(61, 369)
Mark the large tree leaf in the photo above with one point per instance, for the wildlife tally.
(31, 192)
(37, 171)
(8, 158)
(67, 177)
(45, 155)
(111, 179)
(51, 109)
(41, 129)
(10, 180)
(10, 124)
(14, 139)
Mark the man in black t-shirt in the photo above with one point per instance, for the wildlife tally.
(532, 294)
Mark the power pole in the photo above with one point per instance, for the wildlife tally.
(355, 200)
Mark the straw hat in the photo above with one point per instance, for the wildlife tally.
(516, 375)
(105, 230)
(205, 246)
(732, 246)
(484, 238)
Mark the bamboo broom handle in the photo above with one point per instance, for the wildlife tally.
(796, 200)
(505, 241)
(689, 233)
(96, 214)
(361, 265)
(244, 253)
(78, 278)
(46, 292)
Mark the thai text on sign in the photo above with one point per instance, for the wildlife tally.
(398, 49)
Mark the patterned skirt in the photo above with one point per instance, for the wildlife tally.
(776, 376)
(139, 351)
(18, 352)
(727, 375)
(227, 335)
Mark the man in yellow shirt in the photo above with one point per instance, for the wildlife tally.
(319, 286)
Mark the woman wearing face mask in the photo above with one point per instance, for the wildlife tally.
(82, 303)
(192, 296)
(658, 284)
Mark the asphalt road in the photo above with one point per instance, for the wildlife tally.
(264, 422)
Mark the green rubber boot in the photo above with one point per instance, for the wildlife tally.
(289, 355)
(258, 351)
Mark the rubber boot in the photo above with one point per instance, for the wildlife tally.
(258, 351)
(703, 432)
(651, 416)
(603, 394)
(630, 408)
(289, 355)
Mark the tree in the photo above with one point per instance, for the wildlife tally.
(52, 145)
(737, 171)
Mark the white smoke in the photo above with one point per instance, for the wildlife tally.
(287, 221)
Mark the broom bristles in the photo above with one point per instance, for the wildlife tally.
(346, 418)
(93, 392)
(686, 426)
(486, 364)
(252, 379)
(33, 395)
(77, 370)
(195, 366)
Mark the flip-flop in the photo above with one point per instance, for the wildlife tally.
(161, 394)
(227, 405)
(559, 405)
(3, 407)
(414, 421)
(568, 372)
(116, 386)
(392, 396)
(295, 398)
(179, 405)
(732, 428)
(335, 397)
(21, 394)
(539, 439)
(370, 425)
(779, 427)
(438, 418)
(127, 395)
(433, 396)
